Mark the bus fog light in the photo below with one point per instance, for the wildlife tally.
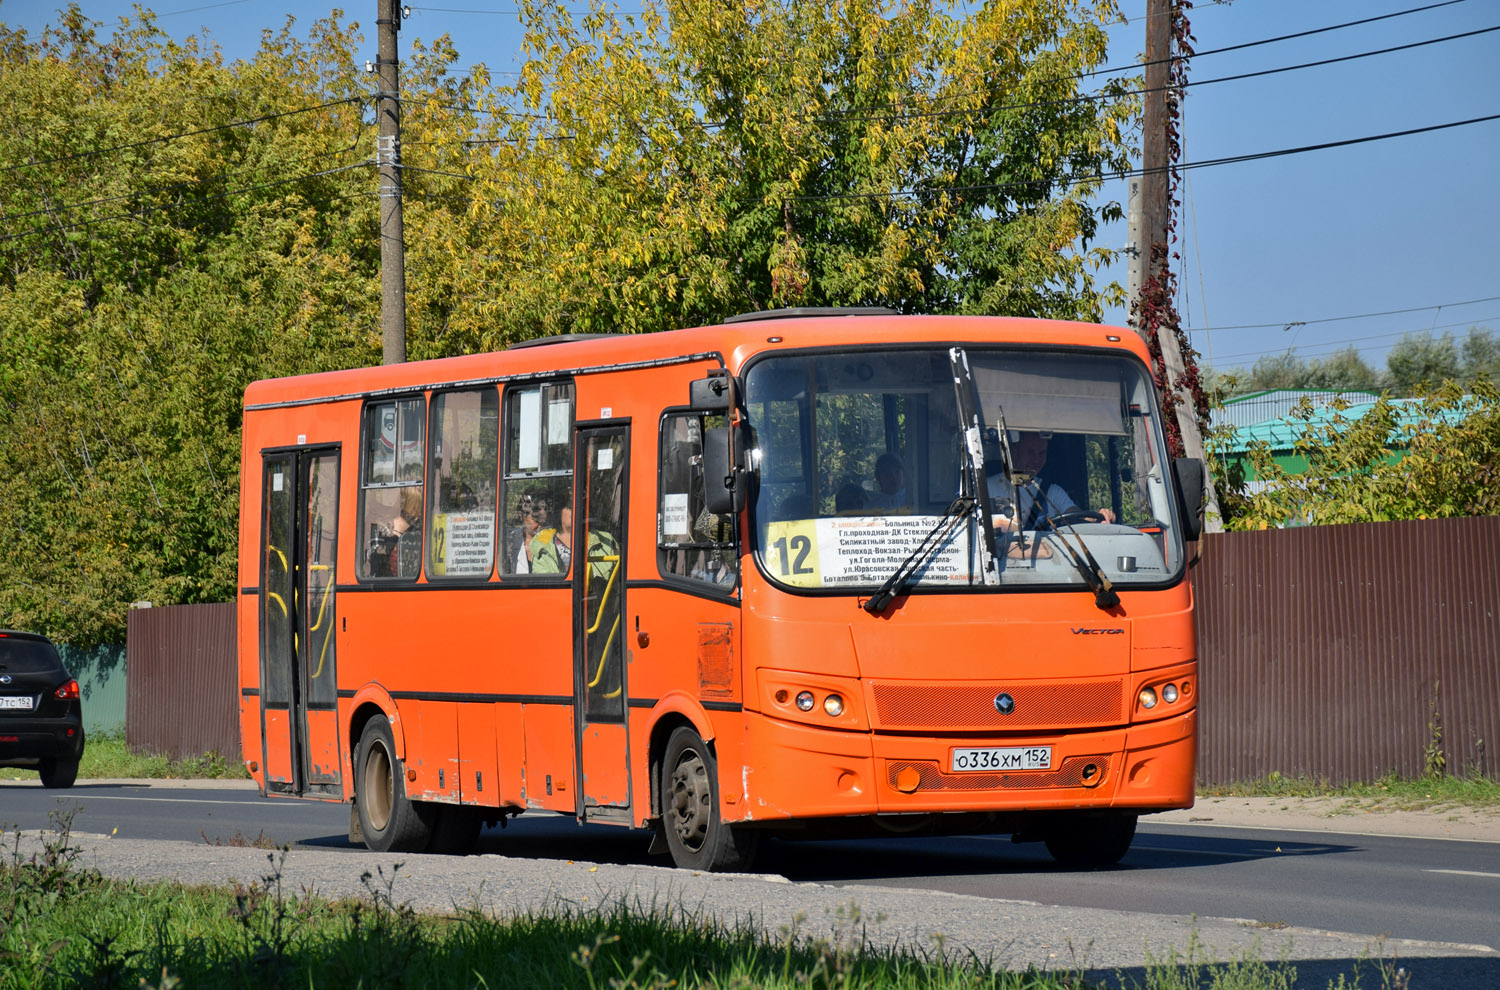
(833, 705)
(1148, 698)
(1169, 693)
(805, 701)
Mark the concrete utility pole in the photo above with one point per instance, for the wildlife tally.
(388, 161)
(1150, 219)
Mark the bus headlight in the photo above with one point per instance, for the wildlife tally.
(805, 701)
(1148, 698)
(833, 705)
(1169, 693)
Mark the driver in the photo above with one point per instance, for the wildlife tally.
(1028, 449)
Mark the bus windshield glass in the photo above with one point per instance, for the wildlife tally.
(859, 457)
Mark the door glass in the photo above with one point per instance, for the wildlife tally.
(277, 637)
(601, 579)
(320, 555)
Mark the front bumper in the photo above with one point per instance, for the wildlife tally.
(796, 771)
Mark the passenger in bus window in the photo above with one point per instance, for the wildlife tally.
(1012, 508)
(549, 549)
(519, 534)
(890, 485)
(850, 500)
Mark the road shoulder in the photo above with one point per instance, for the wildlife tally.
(1348, 816)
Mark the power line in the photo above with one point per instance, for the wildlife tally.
(1345, 343)
(1334, 319)
(172, 186)
(167, 206)
(178, 137)
(1091, 97)
(1284, 37)
(1099, 177)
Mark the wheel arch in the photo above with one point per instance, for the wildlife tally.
(671, 712)
(369, 701)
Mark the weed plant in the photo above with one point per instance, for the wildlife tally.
(1389, 792)
(65, 926)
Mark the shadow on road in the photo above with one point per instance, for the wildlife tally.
(560, 838)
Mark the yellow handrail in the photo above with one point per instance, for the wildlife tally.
(604, 598)
(279, 601)
(322, 607)
(604, 656)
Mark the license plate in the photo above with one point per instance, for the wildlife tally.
(1003, 758)
(22, 702)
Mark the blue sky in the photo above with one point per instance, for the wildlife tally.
(1276, 253)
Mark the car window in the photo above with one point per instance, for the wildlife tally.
(27, 656)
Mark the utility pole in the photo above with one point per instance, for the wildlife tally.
(1150, 231)
(388, 161)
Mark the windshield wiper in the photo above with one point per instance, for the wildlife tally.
(1104, 593)
(920, 557)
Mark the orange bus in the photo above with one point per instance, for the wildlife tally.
(806, 573)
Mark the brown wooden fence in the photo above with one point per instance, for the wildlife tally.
(1348, 652)
(182, 687)
(1337, 652)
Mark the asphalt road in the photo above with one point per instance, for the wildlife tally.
(1265, 887)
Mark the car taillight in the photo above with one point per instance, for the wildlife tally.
(68, 692)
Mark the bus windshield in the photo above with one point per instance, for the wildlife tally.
(860, 457)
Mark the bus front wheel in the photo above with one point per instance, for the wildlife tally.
(697, 837)
(1091, 840)
(389, 821)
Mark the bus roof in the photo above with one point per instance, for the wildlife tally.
(735, 342)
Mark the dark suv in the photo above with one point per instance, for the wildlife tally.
(41, 718)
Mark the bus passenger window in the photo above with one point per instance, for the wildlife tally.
(691, 541)
(390, 500)
(465, 449)
(537, 487)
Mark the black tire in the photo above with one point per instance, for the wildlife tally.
(389, 822)
(59, 772)
(696, 837)
(455, 830)
(1091, 840)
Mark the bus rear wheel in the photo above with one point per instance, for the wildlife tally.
(697, 837)
(1091, 840)
(390, 822)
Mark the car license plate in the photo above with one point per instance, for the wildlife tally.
(1003, 758)
(23, 702)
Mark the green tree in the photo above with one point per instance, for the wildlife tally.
(1438, 459)
(1421, 358)
(176, 226)
(157, 255)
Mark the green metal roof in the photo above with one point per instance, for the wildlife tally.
(1282, 433)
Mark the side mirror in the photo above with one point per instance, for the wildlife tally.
(725, 479)
(1189, 472)
(713, 393)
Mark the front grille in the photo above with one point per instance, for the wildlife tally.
(1069, 774)
(1061, 704)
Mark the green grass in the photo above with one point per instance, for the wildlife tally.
(106, 755)
(1389, 793)
(64, 926)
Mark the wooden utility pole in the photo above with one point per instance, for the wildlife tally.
(1151, 245)
(388, 161)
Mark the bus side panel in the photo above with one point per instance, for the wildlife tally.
(549, 757)
(510, 755)
(680, 642)
(477, 760)
(248, 645)
(324, 764)
(279, 752)
(436, 758)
